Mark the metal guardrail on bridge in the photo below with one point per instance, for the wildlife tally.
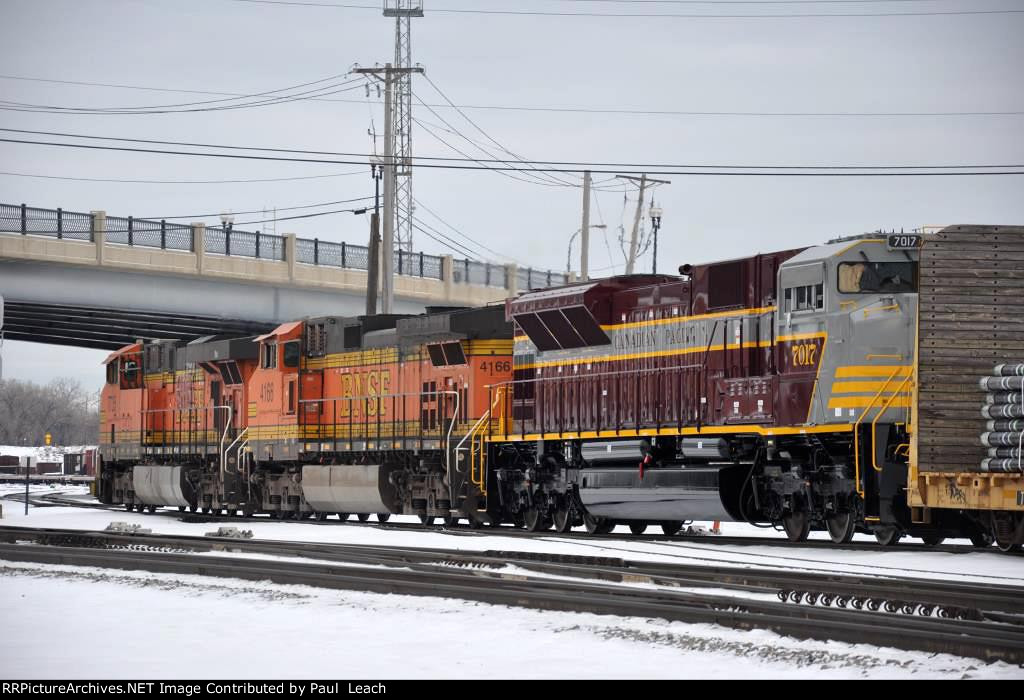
(129, 231)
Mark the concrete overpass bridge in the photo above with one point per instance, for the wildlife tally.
(97, 281)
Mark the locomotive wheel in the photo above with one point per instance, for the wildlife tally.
(427, 520)
(151, 509)
(450, 520)
(232, 513)
(181, 509)
(841, 527)
(797, 526)
(129, 507)
(193, 509)
(606, 526)
(383, 517)
(932, 539)
(888, 536)
(637, 528)
(563, 520)
(535, 520)
(671, 527)
(592, 524)
(342, 517)
(363, 517)
(320, 516)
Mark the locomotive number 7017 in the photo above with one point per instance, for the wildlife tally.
(804, 354)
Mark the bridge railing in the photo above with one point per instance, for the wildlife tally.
(148, 233)
(54, 223)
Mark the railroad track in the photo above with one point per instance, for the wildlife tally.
(188, 517)
(967, 619)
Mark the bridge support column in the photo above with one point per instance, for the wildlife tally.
(289, 255)
(448, 275)
(99, 233)
(199, 245)
(512, 279)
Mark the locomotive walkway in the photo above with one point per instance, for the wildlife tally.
(92, 280)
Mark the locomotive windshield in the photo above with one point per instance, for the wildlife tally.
(864, 277)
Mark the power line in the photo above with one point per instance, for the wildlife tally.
(651, 15)
(299, 216)
(567, 110)
(260, 210)
(427, 209)
(732, 170)
(117, 111)
(181, 182)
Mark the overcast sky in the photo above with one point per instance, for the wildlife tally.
(941, 63)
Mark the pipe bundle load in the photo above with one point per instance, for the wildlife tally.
(1004, 406)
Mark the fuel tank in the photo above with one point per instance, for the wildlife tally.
(664, 493)
(350, 488)
(161, 485)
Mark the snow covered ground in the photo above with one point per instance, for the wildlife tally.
(64, 622)
(135, 624)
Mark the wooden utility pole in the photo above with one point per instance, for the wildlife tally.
(389, 75)
(585, 244)
(633, 238)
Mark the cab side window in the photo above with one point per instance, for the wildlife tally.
(291, 354)
(268, 356)
(867, 277)
(805, 298)
(112, 372)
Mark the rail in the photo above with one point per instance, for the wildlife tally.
(19, 219)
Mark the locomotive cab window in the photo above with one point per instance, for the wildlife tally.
(445, 354)
(808, 297)
(867, 277)
(291, 354)
(268, 356)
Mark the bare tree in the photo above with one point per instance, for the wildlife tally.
(62, 408)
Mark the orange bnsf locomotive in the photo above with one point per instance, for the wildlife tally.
(830, 388)
(322, 416)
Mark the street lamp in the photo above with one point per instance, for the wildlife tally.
(568, 257)
(227, 220)
(655, 213)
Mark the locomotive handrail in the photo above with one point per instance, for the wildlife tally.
(481, 484)
(191, 410)
(885, 407)
(856, 432)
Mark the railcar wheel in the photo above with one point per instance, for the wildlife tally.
(797, 526)
(383, 517)
(518, 520)
(129, 507)
(193, 509)
(232, 513)
(320, 517)
(181, 509)
(151, 509)
(606, 526)
(841, 527)
(672, 527)
(637, 528)
(342, 517)
(888, 536)
(362, 517)
(427, 520)
(932, 539)
(535, 520)
(563, 520)
(450, 521)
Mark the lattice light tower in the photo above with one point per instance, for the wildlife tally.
(403, 11)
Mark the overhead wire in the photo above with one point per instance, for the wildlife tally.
(469, 163)
(182, 182)
(430, 211)
(260, 210)
(579, 110)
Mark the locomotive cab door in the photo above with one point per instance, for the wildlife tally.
(801, 336)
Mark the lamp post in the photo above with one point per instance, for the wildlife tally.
(655, 213)
(568, 257)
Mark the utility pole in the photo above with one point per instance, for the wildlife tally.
(373, 261)
(585, 244)
(633, 239)
(389, 75)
